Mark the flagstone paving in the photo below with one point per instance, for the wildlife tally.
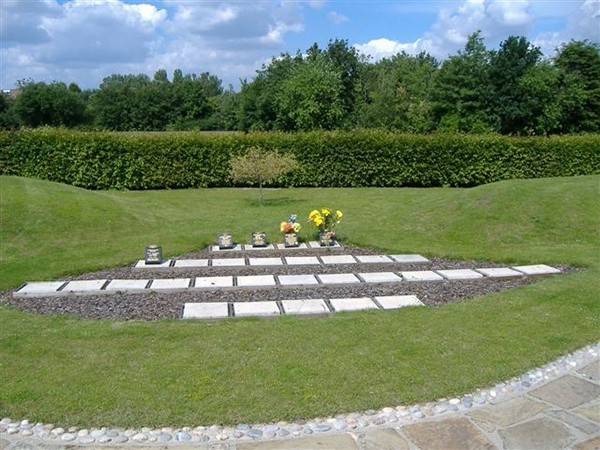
(529, 417)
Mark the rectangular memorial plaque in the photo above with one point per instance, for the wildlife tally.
(290, 240)
(259, 239)
(153, 254)
(325, 239)
(225, 241)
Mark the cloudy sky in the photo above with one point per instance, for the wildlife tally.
(86, 40)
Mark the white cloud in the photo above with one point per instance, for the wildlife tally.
(337, 18)
(385, 48)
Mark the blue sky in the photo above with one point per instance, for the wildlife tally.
(85, 40)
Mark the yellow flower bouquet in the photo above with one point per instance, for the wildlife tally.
(325, 220)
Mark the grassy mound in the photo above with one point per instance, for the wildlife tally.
(77, 372)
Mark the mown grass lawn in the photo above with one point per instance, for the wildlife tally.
(71, 371)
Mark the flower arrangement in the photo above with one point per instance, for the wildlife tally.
(291, 226)
(325, 220)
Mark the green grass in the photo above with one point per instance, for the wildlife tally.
(67, 370)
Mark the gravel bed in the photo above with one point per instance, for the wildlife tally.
(154, 306)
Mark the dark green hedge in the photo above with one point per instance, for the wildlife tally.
(102, 160)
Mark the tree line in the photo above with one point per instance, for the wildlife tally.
(513, 90)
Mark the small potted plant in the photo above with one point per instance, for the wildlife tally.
(290, 231)
(325, 221)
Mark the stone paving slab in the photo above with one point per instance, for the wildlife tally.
(590, 444)
(459, 274)
(591, 411)
(265, 261)
(191, 263)
(381, 439)
(127, 285)
(537, 269)
(328, 442)
(228, 262)
(169, 284)
(338, 259)
(352, 304)
(309, 306)
(302, 261)
(215, 248)
(141, 264)
(409, 258)
(591, 371)
(499, 272)
(83, 286)
(247, 309)
(380, 277)
(398, 301)
(538, 434)
(213, 282)
(338, 278)
(297, 280)
(315, 244)
(377, 259)
(256, 281)
(449, 434)
(38, 287)
(421, 275)
(582, 425)
(208, 310)
(567, 392)
(510, 411)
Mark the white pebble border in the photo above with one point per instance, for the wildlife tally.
(390, 416)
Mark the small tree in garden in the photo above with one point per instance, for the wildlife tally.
(260, 166)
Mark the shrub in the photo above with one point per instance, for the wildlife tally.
(103, 160)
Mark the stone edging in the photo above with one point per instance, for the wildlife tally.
(390, 416)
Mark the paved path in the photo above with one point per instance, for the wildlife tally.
(563, 413)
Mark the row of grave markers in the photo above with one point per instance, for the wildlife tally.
(171, 285)
(220, 310)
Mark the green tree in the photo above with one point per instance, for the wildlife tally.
(461, 88)
(49, 104)
(311, 97)
(508, 65)
(579, 61)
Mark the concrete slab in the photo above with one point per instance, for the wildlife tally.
(398, 301)
(310, 306)
(215, 248)
(325, 442)
(283, 247)
(191, 263)
(567, 392)
(338, 278)
(315, 244)
(37, 288)
(509, 412)
(256, 280)
(338, 259)
(245, 309)
(302, 261)
(499, 272)
(538, 434)
(141, 264)
(297, 280)
(209, 310)
(83, 286)
(367, 259)
(213, 282)
(127, 285)
(352, 304)
(228, 262)
(538, 269)
(459, 274)
(170, 284)
(380, 277)
(265, 261)
(249, 247)
(448, 434)
(409, 258)
(421, 275)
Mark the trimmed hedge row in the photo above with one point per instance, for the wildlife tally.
(104, 160)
